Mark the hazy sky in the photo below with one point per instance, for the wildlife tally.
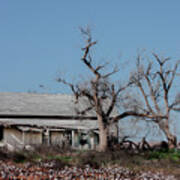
(40, 38)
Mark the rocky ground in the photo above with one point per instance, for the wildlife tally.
(53, 170)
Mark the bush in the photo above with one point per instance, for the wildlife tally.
(3, 155)
(169, 154)
(19, 157)
(97, 159)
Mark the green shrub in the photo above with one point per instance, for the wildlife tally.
(171, 154)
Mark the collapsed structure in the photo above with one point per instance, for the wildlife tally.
(51, 119)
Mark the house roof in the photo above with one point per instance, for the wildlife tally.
(39, 104)
(51, 123)
(40, 110)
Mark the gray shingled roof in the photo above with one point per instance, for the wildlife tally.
(67, 124)
(44, 104)
(39, 104)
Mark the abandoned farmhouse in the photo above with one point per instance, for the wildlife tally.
(51, 119)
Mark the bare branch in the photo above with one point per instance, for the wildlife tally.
(71, 86)
(145, 98)
(176, 102)
(83, 112)
(115, 70)
(173, 76)
(87, 32)
(86, 62)
(152, 92)
(165, 89)
(113, 101)
(176, 109)
(132, 113)
(161, 62)
(101, 66)
(86, 93)
(149, 68)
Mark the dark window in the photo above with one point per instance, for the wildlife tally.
(1, 133)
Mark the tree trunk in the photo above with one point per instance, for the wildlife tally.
(172, 140)
(103, 135)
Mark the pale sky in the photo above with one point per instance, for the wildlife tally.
(40, 38)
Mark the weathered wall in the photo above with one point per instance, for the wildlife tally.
(57, 137)
(12, 136)
(18, 138)
(32, 138)
(15, 137)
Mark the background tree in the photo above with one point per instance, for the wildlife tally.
(154, 81)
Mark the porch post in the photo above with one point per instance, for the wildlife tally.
(72, 138)
(23, 138)
(48, 137)
(92, 143)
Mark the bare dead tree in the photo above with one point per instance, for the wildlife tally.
(101, 93)
(154, 81)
